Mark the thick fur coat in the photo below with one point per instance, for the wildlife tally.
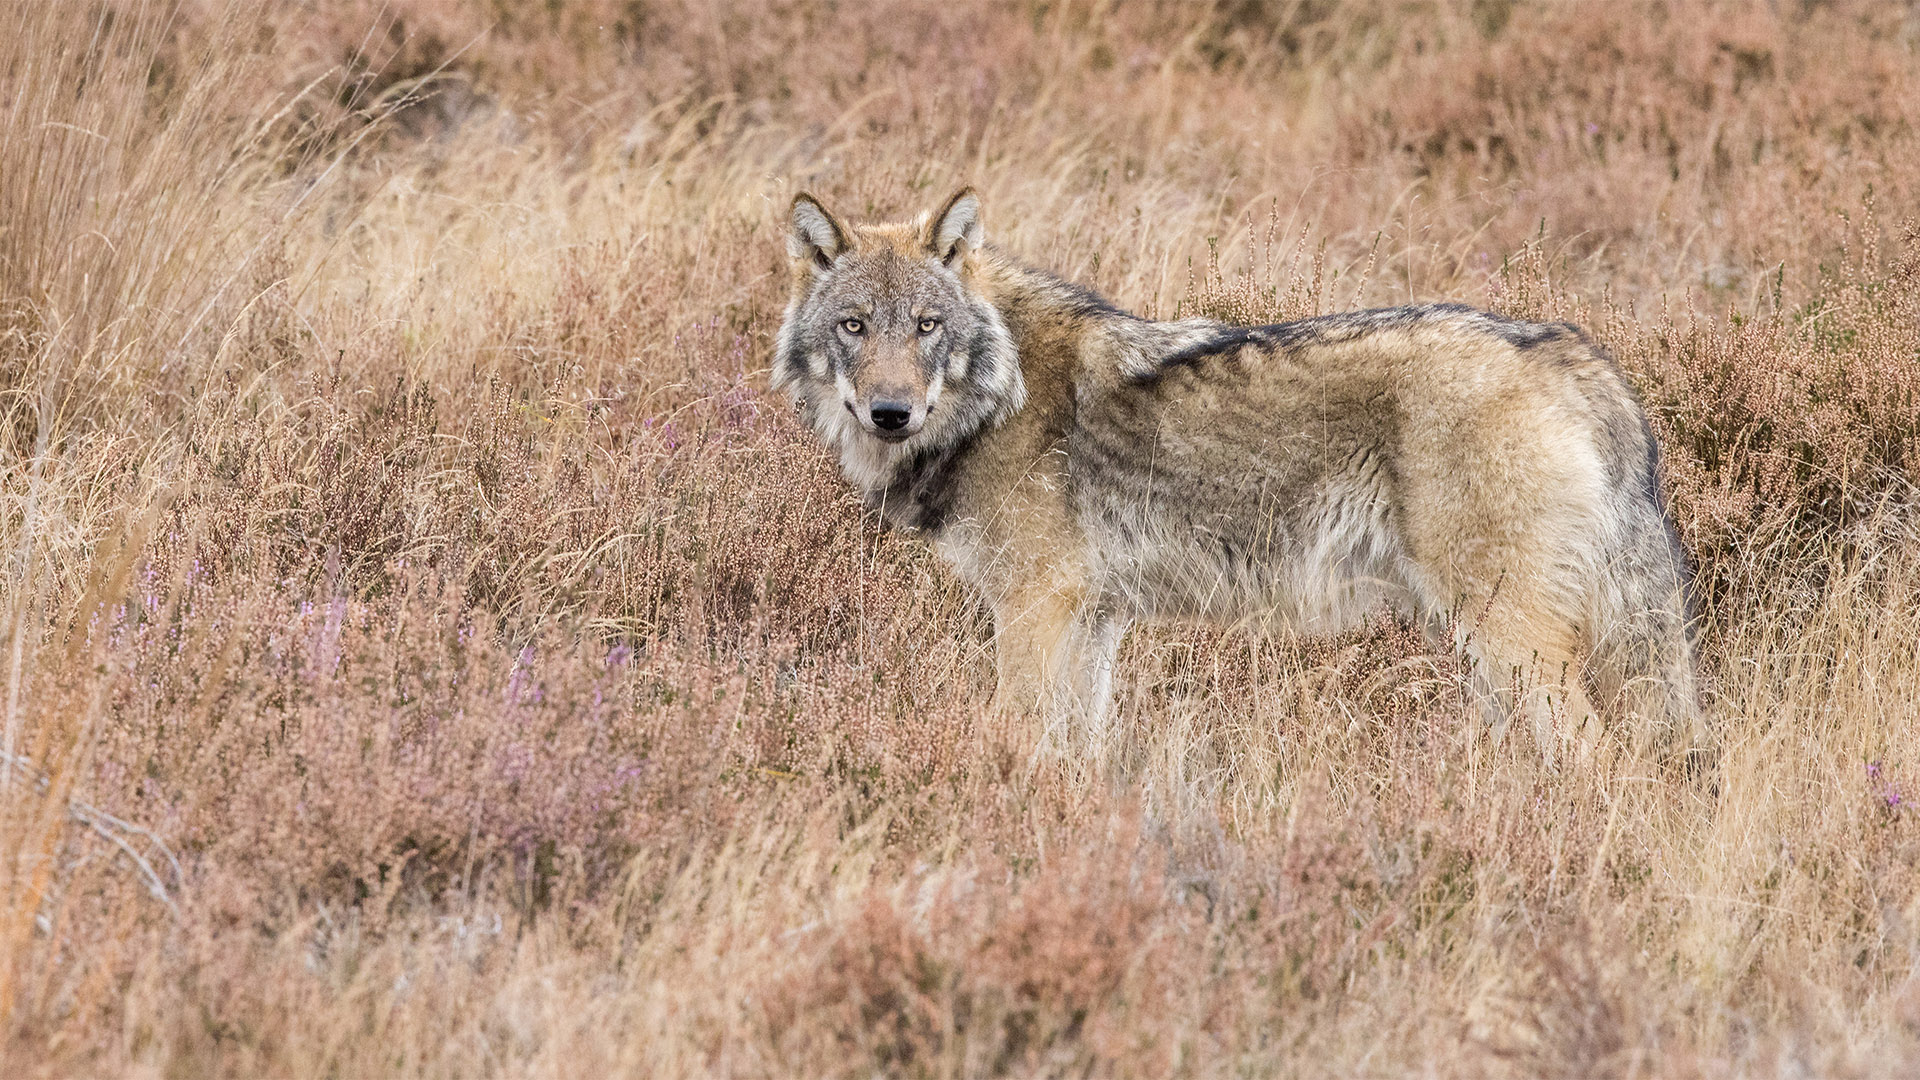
(1082, 468)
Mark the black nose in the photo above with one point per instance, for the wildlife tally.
(890, 415)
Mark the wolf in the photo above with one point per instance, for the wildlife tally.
(1082, 469)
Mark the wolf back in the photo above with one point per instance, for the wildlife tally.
(1493, 479)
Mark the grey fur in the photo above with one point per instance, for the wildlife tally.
(1479, 473)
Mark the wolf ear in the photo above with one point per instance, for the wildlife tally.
(816, 237)
(955, 230)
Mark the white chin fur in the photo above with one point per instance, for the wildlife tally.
(867, 461)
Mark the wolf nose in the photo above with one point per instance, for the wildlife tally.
(890, 415)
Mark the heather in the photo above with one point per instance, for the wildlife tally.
(430, 650)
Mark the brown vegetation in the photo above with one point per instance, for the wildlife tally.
(428, 650)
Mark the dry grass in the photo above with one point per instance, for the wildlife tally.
(398, 535)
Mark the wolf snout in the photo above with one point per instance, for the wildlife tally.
(891, 416)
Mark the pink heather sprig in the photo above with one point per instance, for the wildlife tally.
(1884, 791)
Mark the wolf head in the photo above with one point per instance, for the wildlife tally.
(888, 347)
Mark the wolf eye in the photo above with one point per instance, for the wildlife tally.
(928, 326)
(853, 326)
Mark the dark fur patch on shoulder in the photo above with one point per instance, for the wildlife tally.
(1230, 339)
(921, 496)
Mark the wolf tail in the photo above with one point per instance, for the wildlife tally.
(1640, 616)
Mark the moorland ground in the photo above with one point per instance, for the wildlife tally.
(429, 650)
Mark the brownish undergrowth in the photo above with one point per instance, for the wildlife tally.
(429, 650)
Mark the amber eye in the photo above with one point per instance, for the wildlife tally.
(854, 327)
(928, 326)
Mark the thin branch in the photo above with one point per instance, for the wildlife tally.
(114, 830)
(84, 814)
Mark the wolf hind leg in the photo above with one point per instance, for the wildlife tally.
(1530, 670)
(1642, 661)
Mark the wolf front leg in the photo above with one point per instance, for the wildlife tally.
(1054, 651)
